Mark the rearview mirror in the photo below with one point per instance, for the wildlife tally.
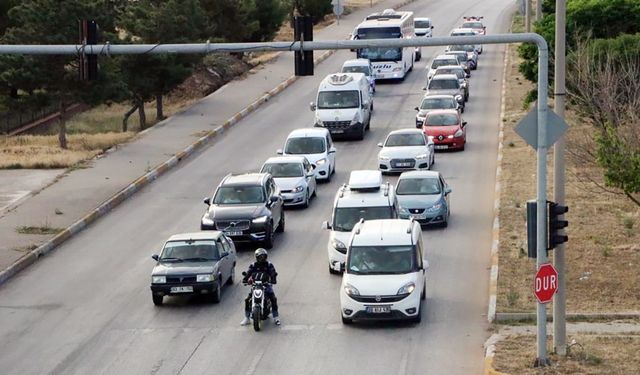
(312, 106)
(207, 201)
(279, 151)
(155, 257)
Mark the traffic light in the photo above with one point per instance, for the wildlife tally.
(555, 224)
(303, 31)
(88, 63)
(532, 251)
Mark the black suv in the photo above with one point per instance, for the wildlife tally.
(247, 207)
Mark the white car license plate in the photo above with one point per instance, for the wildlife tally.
(441, 147)
(418, 216)
(230, 233)
(181, 289)
(337, 131)
(378, 309)
(403, 164)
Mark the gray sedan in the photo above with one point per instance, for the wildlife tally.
(193, 264)
(424, 196)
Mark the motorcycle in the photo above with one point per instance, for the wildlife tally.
(260, 305)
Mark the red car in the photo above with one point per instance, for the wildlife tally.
(446, 128)
(475, 23)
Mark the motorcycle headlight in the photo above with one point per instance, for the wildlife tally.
(422, 156)
(321, 161)
(298, 189)
(204, 278)
(338, 245)
(351, 290)
(435, 207)
(407, 288)
(260, 220)
(458, 133)
(158, 279)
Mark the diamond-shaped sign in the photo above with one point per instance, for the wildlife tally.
(527, 128)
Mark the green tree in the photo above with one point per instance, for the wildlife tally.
(5, 6)
(231, 20)
(152, 76)
(270, 14)
(38, 79)
(316, 9)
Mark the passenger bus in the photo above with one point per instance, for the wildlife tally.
(387, 63)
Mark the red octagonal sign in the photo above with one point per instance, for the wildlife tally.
(545, 283)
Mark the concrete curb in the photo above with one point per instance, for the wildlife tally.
(490, 350)
(495, 235)
(151, 176)
(143, 181)
(574, 317)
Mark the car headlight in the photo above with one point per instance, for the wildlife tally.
(321, 162)
(158, 279)
(351, 290)
(458, 133)
(383, 158)
(319, 122)
(403, 210)
(206, 220)
(422, 156)
(435, 207)
(204, 278)
(397, 69)
(355, 120)
(298, 189)
(430, 137)
(407, 288)
(260, 220)
(338, 245)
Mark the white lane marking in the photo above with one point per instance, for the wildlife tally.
(404, 364)
(254, 364)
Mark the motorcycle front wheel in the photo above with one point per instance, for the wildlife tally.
(257, 321)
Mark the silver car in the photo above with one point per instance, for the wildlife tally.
(446, 84)
(294, 176)
(424, 196)
(463, 77)
(433, 102)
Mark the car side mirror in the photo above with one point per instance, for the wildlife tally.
(447, 190)
(464, 123)
(207, 201)
(155, 257)
(365, 105)
(332, 150)
(279, 151)
(424, 89)
(417, 109)
(380, 144)
(273, 199)
(432, 27)
(312, 106)
(467, 75)
(326, 225)
(310, 174)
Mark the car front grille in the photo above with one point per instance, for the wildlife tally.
(286, 191)
(379, 299)
(181, 279)
(336, 124)
(416, 210)
(237, 225)
(395, 162)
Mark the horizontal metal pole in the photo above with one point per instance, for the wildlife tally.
(135, 49)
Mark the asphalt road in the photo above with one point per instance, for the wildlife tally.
(87, 308)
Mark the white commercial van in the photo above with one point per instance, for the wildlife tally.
(384, 278)
(344, 105)
(365, 197)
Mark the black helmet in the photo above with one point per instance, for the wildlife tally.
(261, 255)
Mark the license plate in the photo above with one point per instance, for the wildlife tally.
(441, 147)
(337, 131)
(378, 309)
(403, 164)
(233, 233)
(417, 216)
(181, 289)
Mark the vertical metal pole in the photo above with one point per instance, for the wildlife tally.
(527, 16)
(538, 10)
(543, 83)
(559, 299)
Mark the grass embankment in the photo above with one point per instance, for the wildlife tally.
(603, 252)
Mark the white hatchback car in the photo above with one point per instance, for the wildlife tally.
(317, 146)
(295, 178)
(384, 277)
(405, 150)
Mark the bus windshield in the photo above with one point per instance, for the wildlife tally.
(380, 54)
(379, 32)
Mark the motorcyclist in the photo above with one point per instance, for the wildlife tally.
(261, 265)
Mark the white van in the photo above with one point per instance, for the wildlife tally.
(361, 66)
(365, 197)
(384, 277)
(344, 105)
(317, 146)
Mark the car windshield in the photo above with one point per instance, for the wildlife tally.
(442, 119)
(458, 72)
(380, 54)
(463, 33)
(344, 218)
(304, 146)
(418, 186)
(461, 56)
(283, 169)
(356, 69)
(338, 99)
(399, 140)
(472, 25)
(442, 62)
(239, 195)
(422, 24)
(444, 84)
(378, 260)
(463, 47)
(190, 251)
(438, 103)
